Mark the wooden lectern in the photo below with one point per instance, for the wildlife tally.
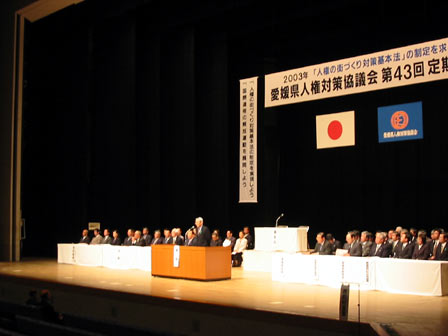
(195, 262)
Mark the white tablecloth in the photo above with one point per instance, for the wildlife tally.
(118, 257)
(417, 277)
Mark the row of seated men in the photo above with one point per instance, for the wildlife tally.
(398, 243)
(197, 235)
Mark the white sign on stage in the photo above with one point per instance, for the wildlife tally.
(291, 239)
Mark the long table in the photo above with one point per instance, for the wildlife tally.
(417, 277)
(117, 257)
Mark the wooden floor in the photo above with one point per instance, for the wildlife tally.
(396, 313)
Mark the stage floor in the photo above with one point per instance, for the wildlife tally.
(404, 314)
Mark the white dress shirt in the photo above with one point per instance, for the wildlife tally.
(240, 245)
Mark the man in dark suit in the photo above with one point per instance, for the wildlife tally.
(116, 241)
(442, 249)
(137, 239)
(335, 244)
(107, 239)
(421, 249)
(128, 240)
(203, 233)
(352, 246)
(167, 236)
(322, 247)
(381, 248)
(249, 238)
(395, 242)
(366, 243)
(85, 239)
(146, 236)
(191, 240)
(404, 248)
(157, 240)
(434, 243)
(176, 237)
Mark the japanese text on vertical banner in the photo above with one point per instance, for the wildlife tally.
(248, 140)
(419, 63)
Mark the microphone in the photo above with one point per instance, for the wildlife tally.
(278, 218)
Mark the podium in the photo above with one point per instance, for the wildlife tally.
(289, 239)
(191, 262)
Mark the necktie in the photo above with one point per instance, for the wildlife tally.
(435, 248)
(377, 248)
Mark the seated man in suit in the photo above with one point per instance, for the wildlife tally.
(249, 238)
(167, 239)
(322, 245)
(442, 249)
(230, 240)
(434, 243)
(366, 243)
(98, 239)
(404, 249)
(352, 246)
(421, 249)
(191, 240)
(381, 248)
(107, 238)
(157, 240)
(128, 240)
(395, 240)
(216, 241)
(116, 240)
(146, 236)
(335, 244)
(85, 239)
(137, 240)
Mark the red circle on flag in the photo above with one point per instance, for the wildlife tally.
(334, 130)
(399, 120)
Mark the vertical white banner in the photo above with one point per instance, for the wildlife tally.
(248, 140)
(176, 255)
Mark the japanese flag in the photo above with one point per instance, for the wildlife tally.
(335, 130)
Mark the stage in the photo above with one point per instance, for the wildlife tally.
(135, 297)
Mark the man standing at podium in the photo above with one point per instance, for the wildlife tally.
(203, 237)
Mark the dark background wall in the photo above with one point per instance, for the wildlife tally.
(131, 119)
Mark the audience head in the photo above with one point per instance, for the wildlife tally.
(145, 231)
(398, 229)
(246, 230)
(380, 237)
(215, 236)
(157, 234)
(421, 239)
(350, 237)
(320, 237)
(173, 233)
(395, 236)
(413, 232)
(137, 234)
(115, 234)
(229, 234)
(106, 232)
(390, 233)
(96, 232)
(191, 234)
(443, 237)
(329, 237)
(167, 233)
(241, 234)
(405, 236)
(365, 236)
(85, 232)
(130, 232)
(435, 233)
(199, 221)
